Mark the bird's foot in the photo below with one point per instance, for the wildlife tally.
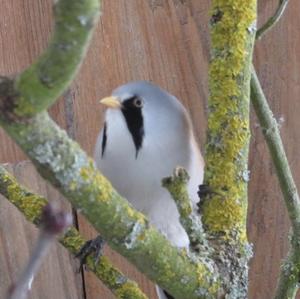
(94, 246)
(204, 190)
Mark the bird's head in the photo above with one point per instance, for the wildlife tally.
(148, 112)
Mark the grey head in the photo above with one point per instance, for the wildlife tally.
(149, 112)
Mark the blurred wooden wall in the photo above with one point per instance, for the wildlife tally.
(167, 42)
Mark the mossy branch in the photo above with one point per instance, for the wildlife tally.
(61, 161)
(228, 135)
(224, 209)
(67, 167)
(31, 206)
(42, 83)
(177, 187)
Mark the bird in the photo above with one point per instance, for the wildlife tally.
(147, 132)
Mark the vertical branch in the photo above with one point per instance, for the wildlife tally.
(224, 208)
(232, 38)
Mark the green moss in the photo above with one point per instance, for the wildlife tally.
(202, 272)
(177, 186)
(228, 123)
(30, 204)
(191, 222)
(121, 286)
(63, 162)
(127, 291)
(42, 83)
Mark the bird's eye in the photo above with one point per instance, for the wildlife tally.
(138, 103)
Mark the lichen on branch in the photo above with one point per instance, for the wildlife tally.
(43, 82)
(31, 206)
(226, 173)
(67, 167)
(61, 161)
(191, 222)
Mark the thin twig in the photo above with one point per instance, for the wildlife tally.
(288, 281)
(54, 222)
(177, 187)
(271, 132)
(272, 20)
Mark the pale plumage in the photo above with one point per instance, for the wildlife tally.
(147, 134)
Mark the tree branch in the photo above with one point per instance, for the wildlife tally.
(42, 83)
(288, 283)
(228, 132)
(224, 209)
(272, 21)
(62, 162)
(177, 187)
(68, 168)
(290, 272)
(31, 205)
(53, 223)
(271, 132)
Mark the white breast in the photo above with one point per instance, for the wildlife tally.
(139, 179)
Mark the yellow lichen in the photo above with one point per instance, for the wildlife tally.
(129, 290)
(31, 204)
(228, 122)
(94, 179)
(203, 273)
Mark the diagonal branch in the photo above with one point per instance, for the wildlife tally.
(67, 167)
(31, 205)
(272, 21)
(290, 272)
(61, 161)
(54, 222)
(288, 283)
(271, 132)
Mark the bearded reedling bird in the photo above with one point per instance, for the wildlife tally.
(146, 134)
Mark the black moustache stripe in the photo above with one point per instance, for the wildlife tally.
(135, 123)
(104, 140)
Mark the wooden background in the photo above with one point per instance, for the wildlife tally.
(167, 42)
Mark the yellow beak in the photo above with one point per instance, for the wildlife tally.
(111, 102)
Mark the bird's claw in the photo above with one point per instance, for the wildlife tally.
(94, 246)
(204, 190)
